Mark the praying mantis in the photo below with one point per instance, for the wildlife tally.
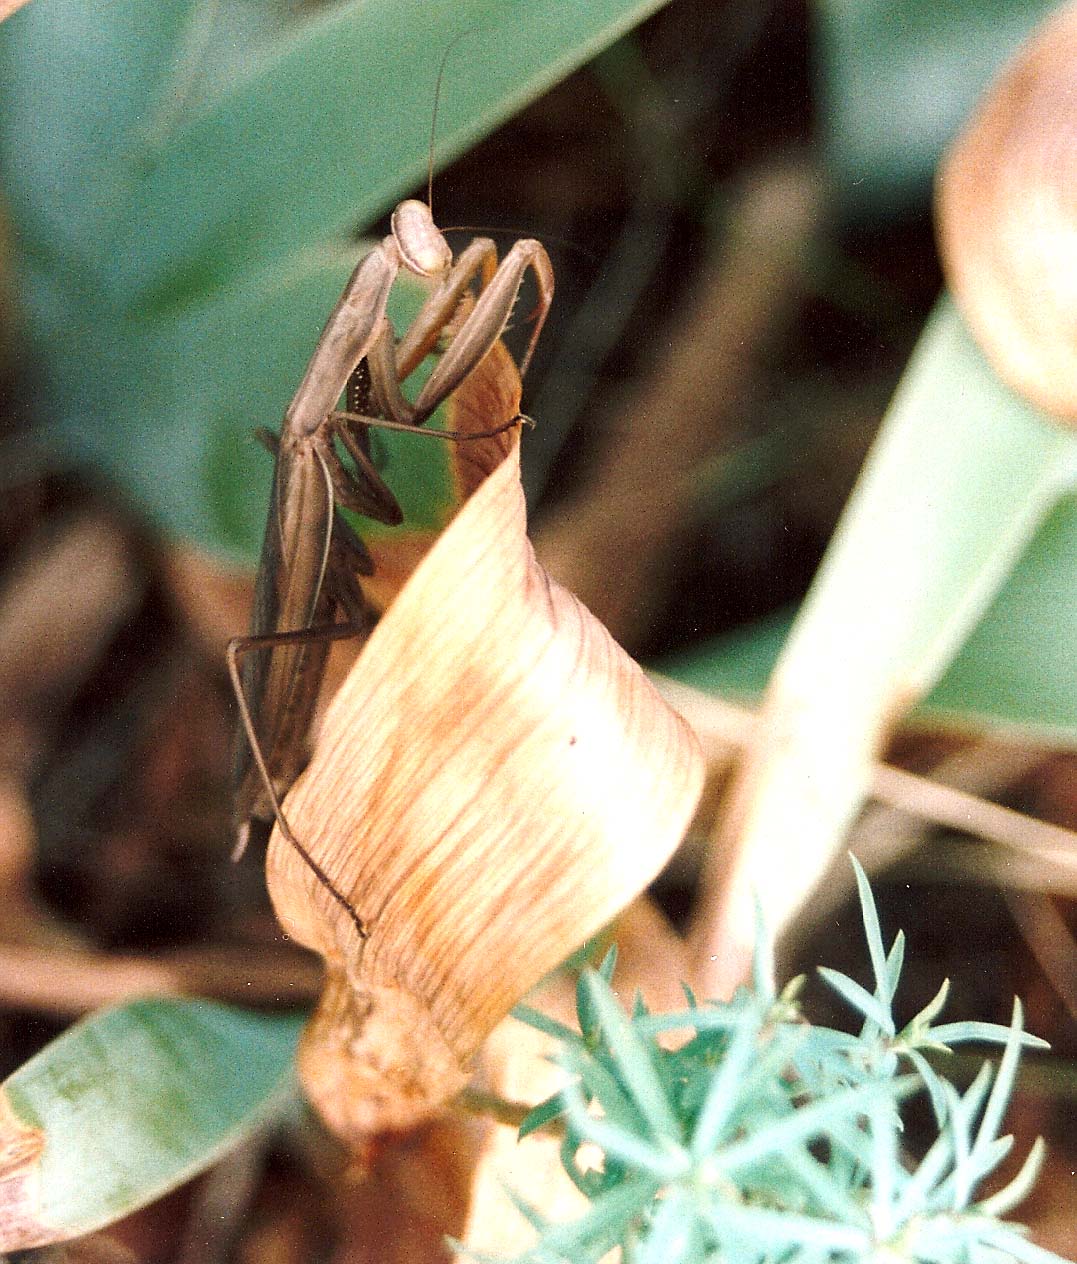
(310, 556)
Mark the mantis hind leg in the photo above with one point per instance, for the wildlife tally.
(246, 644)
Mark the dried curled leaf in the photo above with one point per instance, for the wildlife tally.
(1007, 220)
(495, 780)
(21, 1148)
(8, 7)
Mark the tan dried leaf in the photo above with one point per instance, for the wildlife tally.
(495, 780)
(1007, 219)
(8, 7)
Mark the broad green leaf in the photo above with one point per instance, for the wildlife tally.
(175, 174)
(959, 480)
(330, 126)
(313, 131)
(176, 432)
(77, 84)
(1016, 669)
(128, 1104)
(170, 417)
(1014, 672)
(897, 78)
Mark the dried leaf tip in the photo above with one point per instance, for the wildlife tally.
(1007, 219)
(495, 780)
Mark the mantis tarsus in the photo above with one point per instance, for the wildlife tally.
(310, 556)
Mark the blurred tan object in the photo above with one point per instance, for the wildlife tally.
(67, 592)
(517, 1062)
(24, 919)
(493, 783)
(45, 972)
(213, 599)
(1007, 219)
(612, 542)
(8, 7)
(65, 596)
(651, 960)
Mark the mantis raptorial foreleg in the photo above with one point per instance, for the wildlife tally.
(309, 557)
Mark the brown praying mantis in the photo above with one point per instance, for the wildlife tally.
(310, 556)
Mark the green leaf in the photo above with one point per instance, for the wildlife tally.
(1015, 669)
(633, 1059)
(1005, 1199)
(1010, 1240)
(602, 1086)
(931, 1082)
(824, 1185)
(826, 1115)
(608, 965)
(171, 416)
(763, 976)
(873, 934)
(859, 998)
(775, 1232)
(737, 664)
(671, 1237)
(727, 1084)
(182, 209)
(959, 1033)
(958, 481)
(917, 1196)
(704, 1018)
(339, 111)
(930, 1012)
(68, 153)
(966, 484)
(131, 1102)
(635, 1151)
(544, 1113)
(603, 1224)
(1004, 1082)
(897, 78)
(960, 478)
(543, 1022)
(895, 963)
(997, 679)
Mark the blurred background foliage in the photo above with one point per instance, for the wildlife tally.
(736, 196)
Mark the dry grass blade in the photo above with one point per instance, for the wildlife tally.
(495, 780)
(723, 727)
(67, 593)
(630, 517)
(69, 981)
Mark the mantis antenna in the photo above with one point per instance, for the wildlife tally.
(434, 113)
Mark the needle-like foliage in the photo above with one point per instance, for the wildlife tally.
(762, 1139)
